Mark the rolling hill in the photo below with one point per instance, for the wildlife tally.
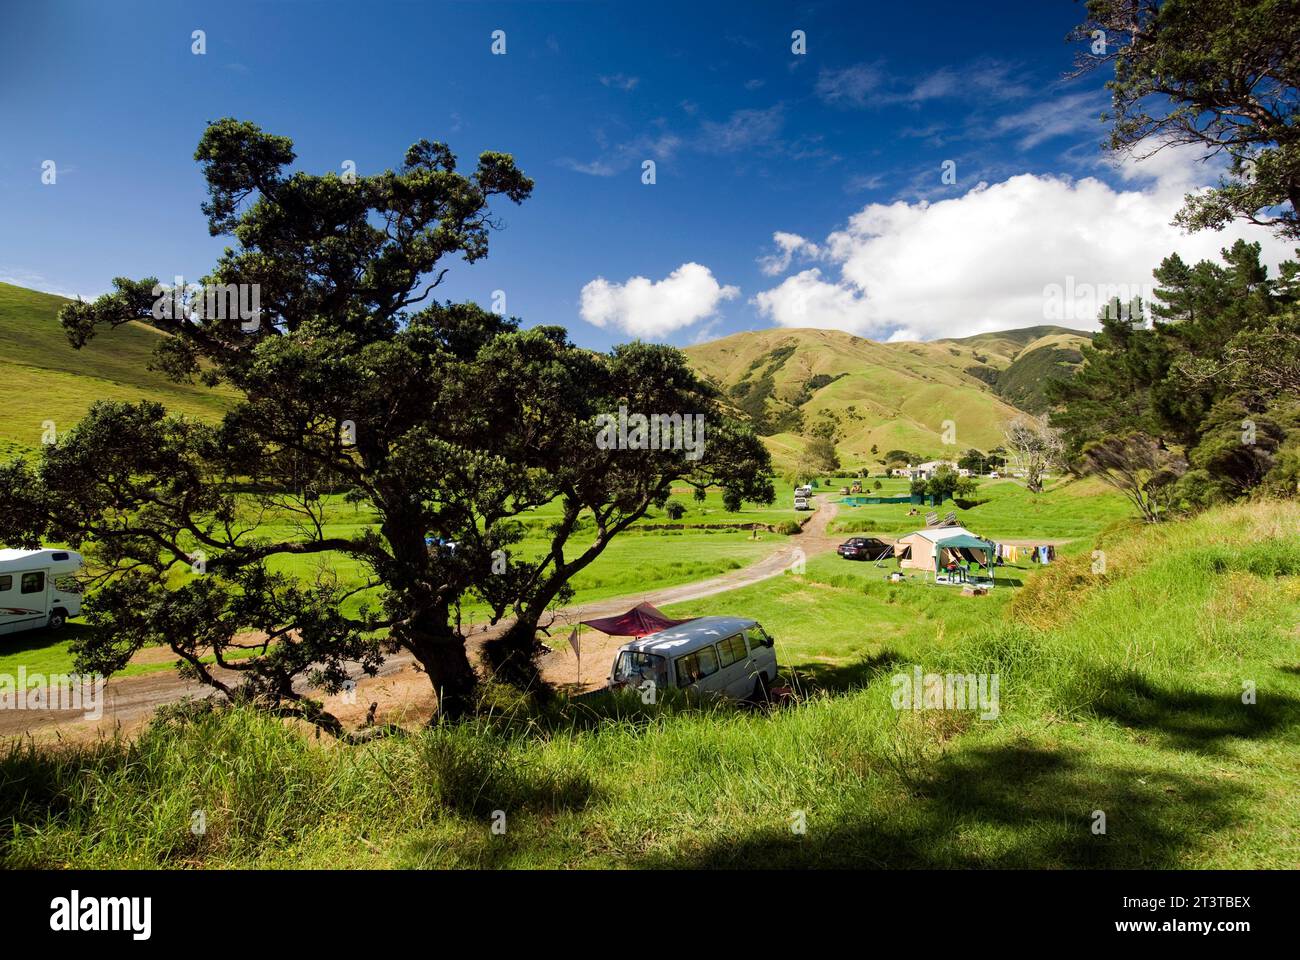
(890, 395)
(886, 395)
(1018, 363)
(42, 378)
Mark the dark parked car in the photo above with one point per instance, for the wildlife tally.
(864, 548)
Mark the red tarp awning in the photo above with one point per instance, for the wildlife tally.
(640, 621)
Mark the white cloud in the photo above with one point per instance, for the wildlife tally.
(620, 81)
(984, 261)
(851, 87)
(868, 84)
(655, 308)
(789, 246)
(619, 158)
(596, 168)
(1062, 116)
(806, 300)
(742, 130)
(864, 181)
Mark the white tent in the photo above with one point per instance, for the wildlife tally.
(924, 546)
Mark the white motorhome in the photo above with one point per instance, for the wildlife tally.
(730, 656)
(38, 589)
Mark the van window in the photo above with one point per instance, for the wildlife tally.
(731, 649)
(6, 583)
(635, 667)
(758, 638)
(33, 583)
(696, 666)
(59, 556)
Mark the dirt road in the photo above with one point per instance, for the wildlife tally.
(401, 692)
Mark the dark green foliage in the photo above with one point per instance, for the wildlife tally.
(1215, 377)
(1024, 383)
(821, 454)
(812, 385)
(1221, 75)
(946, 484)
(986, 373)
(902, 456)
(752, 397)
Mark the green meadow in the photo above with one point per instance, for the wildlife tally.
(651, 555)
(43, 379)
(1162, 694)
(646, 557)
(1003, 509)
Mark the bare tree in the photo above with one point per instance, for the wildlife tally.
(1035, 447)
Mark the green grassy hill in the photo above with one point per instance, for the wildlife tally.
(887, 395)
(1003, 346)
(1017, 364)
(890, 395)
(43, 378)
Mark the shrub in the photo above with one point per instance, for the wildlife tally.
(855, 525)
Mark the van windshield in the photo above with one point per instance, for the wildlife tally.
(635, 667)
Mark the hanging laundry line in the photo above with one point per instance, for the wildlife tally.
(1013, 553)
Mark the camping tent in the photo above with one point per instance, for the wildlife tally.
(642, 620)
(953, 547)
(926, 552)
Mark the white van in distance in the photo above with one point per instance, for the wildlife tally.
(34, 589)
(804, 491)
(730, 656)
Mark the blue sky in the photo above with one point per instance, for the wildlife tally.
(841, 150)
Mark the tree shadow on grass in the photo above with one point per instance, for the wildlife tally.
(1011, 806)
(842, 677)
(32, 641)
(476, 847)
(1193, 720)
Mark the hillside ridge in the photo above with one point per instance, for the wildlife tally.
(904, 395)
(786, 380)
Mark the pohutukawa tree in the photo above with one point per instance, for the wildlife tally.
(1220, 76)
(436, 420)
